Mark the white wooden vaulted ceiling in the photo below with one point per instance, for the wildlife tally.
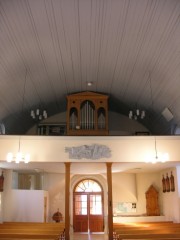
(119, 45)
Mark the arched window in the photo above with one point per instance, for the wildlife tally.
(88, 185)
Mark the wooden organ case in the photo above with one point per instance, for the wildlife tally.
(87, 114)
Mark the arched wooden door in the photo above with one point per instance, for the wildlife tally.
(88, 207)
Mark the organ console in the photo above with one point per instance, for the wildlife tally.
(87, 114)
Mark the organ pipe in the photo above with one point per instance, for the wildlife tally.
(87, 116)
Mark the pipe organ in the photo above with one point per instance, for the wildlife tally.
(87, 114)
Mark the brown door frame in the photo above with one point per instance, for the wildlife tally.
(88, 200)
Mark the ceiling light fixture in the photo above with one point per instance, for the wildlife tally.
(159, 157)
(89, 84)
(39, 114)
(137, 114)
(19, 157)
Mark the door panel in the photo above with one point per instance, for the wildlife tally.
(88, 212)
(96, 223)
(96, 217)
(80, 213)
(81, 224)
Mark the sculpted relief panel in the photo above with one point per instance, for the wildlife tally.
(93, 152)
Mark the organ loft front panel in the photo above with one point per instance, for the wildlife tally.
(87, 114)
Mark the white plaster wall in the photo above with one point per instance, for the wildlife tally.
(22, 205)
(54, 183)
(131, 219)
(171, 206)
(123, 148)
(26, 206)
(144, 181)
(7, 196)
(124, 187)
(121, 125)
(14, 180)
(178, 186)
(178, 180)
(57, 118)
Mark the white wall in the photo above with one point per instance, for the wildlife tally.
(178, 186)
(22, 205)
(57, 118)
(123, 148)
(144, 181)
(171, 206)
(129, 187)
(124, 187)
(27, 205)
(54, 183)
(121, 125)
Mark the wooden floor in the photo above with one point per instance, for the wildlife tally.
(86, 236)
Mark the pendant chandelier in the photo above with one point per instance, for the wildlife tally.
(19, 156)
(39, 114)
(158, 156)
(137, 114)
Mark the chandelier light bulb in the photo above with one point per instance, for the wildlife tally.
(166, 157)
(18, 158)
(32, 114)
(9, 157)
(130, 114)
(27, 158)
(158, 158)
(142, 114)
(37, 112)
(44, 114)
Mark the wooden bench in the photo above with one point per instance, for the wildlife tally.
(149, 236)
(52, 231)
(146, 231)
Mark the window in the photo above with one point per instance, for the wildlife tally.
(88, 185)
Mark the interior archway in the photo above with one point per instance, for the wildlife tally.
(88, 206)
